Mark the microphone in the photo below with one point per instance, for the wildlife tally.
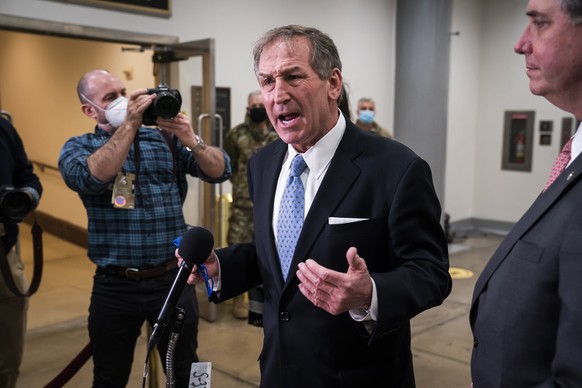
(194, 248)
(196, 245)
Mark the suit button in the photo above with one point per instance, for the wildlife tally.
(284, 316)
(475, 342)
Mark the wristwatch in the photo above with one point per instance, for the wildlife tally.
(200, 145)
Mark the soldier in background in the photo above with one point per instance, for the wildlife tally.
(366, 114)
(241, 142)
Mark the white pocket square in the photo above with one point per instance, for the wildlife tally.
(344, 220)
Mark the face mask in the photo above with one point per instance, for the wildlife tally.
(258, 115)
(115, 111)
(366, 116)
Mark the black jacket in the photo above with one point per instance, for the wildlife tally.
(387, 185)
(15, 170)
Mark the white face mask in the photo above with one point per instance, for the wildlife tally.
(115, 111)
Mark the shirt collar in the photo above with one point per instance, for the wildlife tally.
(577, 143)
(319, 156)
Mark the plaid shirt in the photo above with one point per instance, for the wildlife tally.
(141, 237)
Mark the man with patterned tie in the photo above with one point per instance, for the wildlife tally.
(526, 314)
(370, 252)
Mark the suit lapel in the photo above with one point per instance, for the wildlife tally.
(266, 181)
(540, 206)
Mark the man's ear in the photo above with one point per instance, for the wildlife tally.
(335, 84)
(89, 110)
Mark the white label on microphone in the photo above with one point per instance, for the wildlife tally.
(200, 375)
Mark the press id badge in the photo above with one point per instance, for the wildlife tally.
(123, 191)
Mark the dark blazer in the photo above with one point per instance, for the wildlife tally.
(526, 314)
(402, 242)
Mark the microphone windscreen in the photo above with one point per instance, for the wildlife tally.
(196, 245)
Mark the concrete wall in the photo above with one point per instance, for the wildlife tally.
(486, 78)
(45, 69)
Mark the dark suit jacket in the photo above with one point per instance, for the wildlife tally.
(402, 242)
(526, 314)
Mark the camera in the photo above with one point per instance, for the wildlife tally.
(166, 105)
(15, 203)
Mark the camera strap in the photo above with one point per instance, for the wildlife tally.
(38, 262)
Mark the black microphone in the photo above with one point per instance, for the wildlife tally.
(195, 247)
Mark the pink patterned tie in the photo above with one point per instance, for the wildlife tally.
(560, 163)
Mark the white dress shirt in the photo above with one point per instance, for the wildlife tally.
(576, 145)
(318, 159)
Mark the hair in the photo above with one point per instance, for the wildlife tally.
(83, 91)
(343, 103)
(252, 94)
(365, 99)
(324, 54)
(574, 9)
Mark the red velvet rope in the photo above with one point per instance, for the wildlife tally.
(70, 370)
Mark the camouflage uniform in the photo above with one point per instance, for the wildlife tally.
(377, 129)
(241, 142)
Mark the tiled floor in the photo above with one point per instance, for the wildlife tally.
(57, 326)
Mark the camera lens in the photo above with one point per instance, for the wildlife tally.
(166, 105)
(15, 204)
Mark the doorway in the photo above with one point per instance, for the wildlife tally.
(39, 68)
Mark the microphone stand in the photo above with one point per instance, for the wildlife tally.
(179, 317)
(168, 309)
(177, 321)
(168, 313)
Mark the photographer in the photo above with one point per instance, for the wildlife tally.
(132, 181)
(20, 191)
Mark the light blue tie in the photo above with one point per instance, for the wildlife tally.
(291, 211)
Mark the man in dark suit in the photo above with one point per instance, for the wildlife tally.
(371, 254)
(526, 314)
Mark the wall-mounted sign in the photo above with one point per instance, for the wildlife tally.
(148, 7)
(545, 139)
(546, 125)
